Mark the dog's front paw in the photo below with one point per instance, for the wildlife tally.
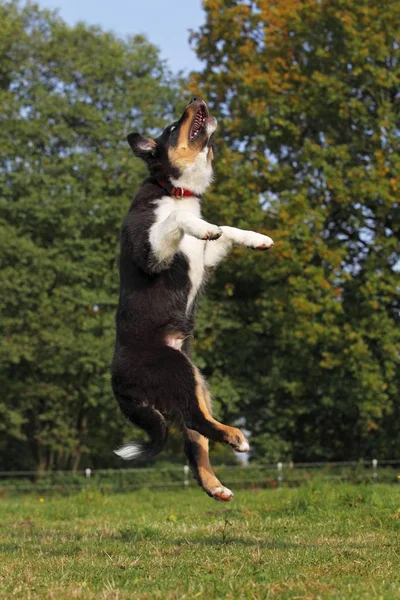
(257, 241)
(213, 233)
(202, 230)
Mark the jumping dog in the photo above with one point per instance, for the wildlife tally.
(167, 254)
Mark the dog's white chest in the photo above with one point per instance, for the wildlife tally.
(194, 251)
(190, 246)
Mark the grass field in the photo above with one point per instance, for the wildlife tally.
(317, 541)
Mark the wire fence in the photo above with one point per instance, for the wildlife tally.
(179, 477)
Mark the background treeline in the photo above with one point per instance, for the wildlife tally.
(302, 343)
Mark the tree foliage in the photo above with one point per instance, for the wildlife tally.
(300, 344)
(306, 339)
(68, 97)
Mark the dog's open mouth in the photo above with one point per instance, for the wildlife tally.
(199, 121)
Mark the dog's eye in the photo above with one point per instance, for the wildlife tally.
(171, 129)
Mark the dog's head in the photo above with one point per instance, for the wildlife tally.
(183, 153)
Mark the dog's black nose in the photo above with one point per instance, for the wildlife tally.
(194, 99)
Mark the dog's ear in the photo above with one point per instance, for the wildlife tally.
(142, 147)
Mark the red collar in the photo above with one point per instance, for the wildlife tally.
(175, 191)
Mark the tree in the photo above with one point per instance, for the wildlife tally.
(307, 338)
(68, 97)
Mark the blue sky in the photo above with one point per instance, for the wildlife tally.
(165, 22)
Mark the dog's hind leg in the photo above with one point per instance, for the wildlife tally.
(200, 419)
(196, 450)
(139, 413)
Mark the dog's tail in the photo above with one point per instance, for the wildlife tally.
(151, 421)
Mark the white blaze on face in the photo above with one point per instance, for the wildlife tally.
(192, 154)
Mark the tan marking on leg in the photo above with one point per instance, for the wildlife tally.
(204, 470)
(202, 390)
(232, 435)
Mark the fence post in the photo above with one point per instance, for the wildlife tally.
(280, 474)
(186, 476)
(374, 469)
(88, 473)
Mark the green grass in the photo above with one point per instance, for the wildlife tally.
(317, 541)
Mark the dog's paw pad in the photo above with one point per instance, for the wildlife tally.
(257, 241)
(244, 447)
(265, 246)
(212, 234)
(222, 494)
